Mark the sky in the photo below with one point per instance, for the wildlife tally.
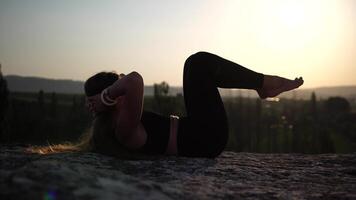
(73, 39)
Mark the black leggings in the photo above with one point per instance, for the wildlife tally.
(204, 131)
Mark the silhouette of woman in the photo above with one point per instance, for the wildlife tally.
(117, 103)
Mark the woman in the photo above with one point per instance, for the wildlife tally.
(122, 127)
(202, 133)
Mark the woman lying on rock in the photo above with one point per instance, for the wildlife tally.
(122, 127)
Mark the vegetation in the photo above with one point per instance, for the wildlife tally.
(287, 125)
(3, 103)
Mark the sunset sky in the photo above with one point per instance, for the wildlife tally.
(70, 39)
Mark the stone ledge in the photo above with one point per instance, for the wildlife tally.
(230, 176)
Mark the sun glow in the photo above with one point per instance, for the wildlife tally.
(291, 14)
(315, 39)
(291, 38)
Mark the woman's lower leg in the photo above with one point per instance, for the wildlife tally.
(228, 74)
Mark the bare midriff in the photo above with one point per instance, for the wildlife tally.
(172, 141)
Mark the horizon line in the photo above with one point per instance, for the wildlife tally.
(68, 79)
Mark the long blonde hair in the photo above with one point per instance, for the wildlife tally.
(100, 137)
(84, 143)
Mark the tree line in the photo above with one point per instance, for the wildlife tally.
(283, 126)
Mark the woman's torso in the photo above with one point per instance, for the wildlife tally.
(159, 132)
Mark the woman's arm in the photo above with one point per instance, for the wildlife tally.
(130, 89)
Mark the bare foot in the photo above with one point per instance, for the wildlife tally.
(274, 85)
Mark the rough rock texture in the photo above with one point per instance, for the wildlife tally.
(230, 176)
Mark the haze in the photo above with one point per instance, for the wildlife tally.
(68, 39)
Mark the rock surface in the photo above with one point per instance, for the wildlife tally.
(230, 176)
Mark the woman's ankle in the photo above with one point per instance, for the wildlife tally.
(269, 82)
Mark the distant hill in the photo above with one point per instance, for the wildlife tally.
(348, 92)
(325, 92)
(34, 84)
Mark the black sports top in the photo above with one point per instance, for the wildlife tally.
(158, 130)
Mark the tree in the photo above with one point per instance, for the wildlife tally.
(74, 104)
(54, 105)
(313, 106)
(161, 89)
(74, 108)
(4, 102)
(258, 107)
(316, 137)
(337, 105)
(40, 99)
(162, 100)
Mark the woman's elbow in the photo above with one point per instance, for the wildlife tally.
(135, 79)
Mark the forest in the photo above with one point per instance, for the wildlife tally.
(279, 125)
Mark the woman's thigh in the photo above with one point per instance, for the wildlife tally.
(204, 131)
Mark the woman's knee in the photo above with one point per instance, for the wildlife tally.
(199, 56)
(198, 59)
